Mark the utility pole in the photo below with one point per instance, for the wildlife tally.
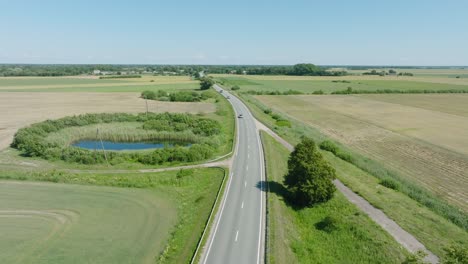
(102, 145)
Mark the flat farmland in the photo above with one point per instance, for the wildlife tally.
(309, 84)
(93, 83)
(65, 223)
(427, 144)
(20, 109)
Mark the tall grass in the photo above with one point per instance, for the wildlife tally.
(124, 132)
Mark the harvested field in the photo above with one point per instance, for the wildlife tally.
(41, 83)
(21, 109)
(428, 146)
(446, 103)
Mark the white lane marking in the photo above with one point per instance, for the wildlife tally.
(242, 206)
(237, 234)
(247, 168)
(220, 216)
(248, 146)
(248, 155)
(245, 184)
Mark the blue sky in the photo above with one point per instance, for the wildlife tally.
(410, 32)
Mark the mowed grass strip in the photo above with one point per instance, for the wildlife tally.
(306, 236)
(188, 196)
(63, 223)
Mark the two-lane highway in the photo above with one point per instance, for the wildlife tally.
(238, 233)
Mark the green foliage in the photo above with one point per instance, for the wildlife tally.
(267, 111)
(201, 132)
(333, 148)
(405, 74)
(309, 178)
(283, 123)
(206, 83)
(184, 96)
(148, 95)
(374, 72)
(288, 92)
(235, 88)
(455, 254)
(417, 258)
(318, 92)
(390, 183)
(179, 96)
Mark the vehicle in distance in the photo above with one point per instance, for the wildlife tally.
(240, 116)
(228, 97)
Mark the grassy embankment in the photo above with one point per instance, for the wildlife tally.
(308, 235)
(185, 197)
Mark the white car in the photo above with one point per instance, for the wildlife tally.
(240, 116)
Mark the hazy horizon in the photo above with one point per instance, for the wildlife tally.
(358, 33)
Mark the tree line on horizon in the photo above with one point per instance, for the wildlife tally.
(302, 69)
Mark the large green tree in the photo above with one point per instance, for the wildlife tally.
(309, 178)
(206, 83)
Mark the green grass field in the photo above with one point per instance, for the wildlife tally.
(327, 85)
(68, 223)
(64, 223)
(301, 236)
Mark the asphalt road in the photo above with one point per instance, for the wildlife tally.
(238, 234)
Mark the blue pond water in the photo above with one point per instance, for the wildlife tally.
(110, 145)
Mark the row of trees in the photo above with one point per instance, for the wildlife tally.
(189, 70)
(177, 96)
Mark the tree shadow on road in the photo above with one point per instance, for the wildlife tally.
(278, 189)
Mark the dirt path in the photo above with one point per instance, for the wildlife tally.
(405, 239)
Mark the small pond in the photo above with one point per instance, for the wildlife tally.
(111, 145)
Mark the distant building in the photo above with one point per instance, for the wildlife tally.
(96, 72)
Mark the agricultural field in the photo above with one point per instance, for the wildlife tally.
(425, 73)
(37, 227)
(164, 212)
(310, 84)
(137, 217)
(94, 84)
(297, 236)
(408, 139)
